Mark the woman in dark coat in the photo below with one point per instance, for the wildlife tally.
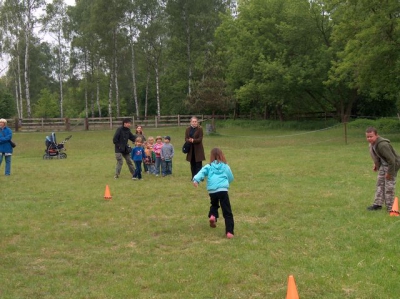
(194, 135)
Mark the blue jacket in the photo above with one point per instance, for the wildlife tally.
(5, 137)
(219, 176)
(138, 153)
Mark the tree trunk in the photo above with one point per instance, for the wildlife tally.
(134, 88)
(157, 90)
(213, 122)
(26, 74)
(17, 96)
(86, 89)
(147, 91)
(110, 94)
(98, 94)
(116, 87)
(115, 74)
(279, 112)
(21, 104)
(60, 76)
(189, 62)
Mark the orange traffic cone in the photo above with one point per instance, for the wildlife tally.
(107, 195)
(292, 290)
(395, 208)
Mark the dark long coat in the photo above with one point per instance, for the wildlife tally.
(197, 145)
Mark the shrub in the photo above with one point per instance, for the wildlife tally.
(384, 125)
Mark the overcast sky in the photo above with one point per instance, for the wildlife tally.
(70, 2)
(4, 59)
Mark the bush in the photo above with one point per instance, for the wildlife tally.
(383, 125)
(277, 125)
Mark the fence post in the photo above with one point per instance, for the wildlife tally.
(67, 124)
(179, 121)
(16, 120)
(133, 121)
(86, 124)
(42, 124)
(155, 122)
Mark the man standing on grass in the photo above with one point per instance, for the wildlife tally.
(387, 163)
(122, 149)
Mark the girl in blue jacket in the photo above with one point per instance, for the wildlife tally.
(219, 176)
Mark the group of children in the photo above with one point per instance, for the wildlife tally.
(155, 155)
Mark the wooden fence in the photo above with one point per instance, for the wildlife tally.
(99, 123)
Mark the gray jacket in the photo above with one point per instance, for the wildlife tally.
(167, 151)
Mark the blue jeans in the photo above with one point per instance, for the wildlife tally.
(138, 170)
(158, 165)
(166, 167)
(151, 168)
(8, 163)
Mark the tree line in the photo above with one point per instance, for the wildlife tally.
(271, 58)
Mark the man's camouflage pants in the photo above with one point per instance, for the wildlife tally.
(384, 189)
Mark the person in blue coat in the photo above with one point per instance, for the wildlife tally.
(6, 149)
(219, 176)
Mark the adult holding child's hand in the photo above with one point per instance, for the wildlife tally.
(194, 135)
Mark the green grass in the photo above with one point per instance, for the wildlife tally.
(298, 198)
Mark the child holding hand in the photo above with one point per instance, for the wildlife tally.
(157, 150)
(167, 153)
(150, 156)
(138, 155)
(219, 176)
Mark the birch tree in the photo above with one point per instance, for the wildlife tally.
(54, 22)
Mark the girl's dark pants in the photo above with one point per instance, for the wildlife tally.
(138, 170)
(222, 198)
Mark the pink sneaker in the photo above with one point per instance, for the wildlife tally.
(229, 235)
(212, 221)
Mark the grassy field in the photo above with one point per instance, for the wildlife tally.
(299, 199)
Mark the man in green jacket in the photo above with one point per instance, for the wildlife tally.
(387, 163)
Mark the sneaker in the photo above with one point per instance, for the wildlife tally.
(212, 221)
(229, 235)
(116, 176)
(134, 178)
(374, 207)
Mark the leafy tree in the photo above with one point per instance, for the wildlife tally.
(210, 94)
(153, 40)
(54, 22)
(276, 57)
(46, 106)
(366, 35)
(7, 104)
(192, 24)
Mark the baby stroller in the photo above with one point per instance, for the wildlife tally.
(53, 149)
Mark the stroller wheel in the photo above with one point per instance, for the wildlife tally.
(45, 157)
(63, 156)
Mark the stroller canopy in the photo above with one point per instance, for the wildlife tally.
(51, 139)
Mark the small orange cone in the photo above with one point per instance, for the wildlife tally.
(107, 195)
(292, 290)
(395, 208)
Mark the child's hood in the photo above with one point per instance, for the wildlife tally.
(218, 167)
